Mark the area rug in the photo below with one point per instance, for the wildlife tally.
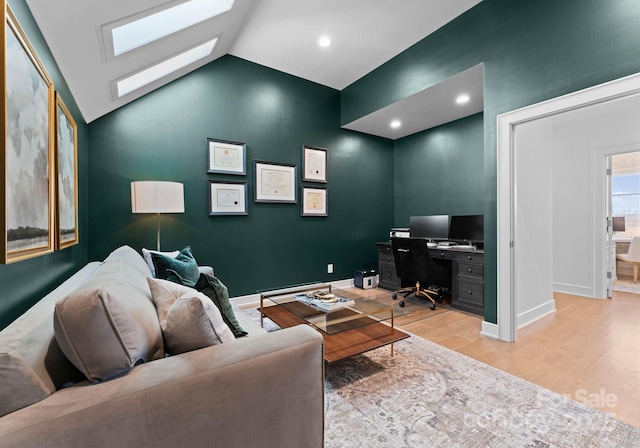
(429, 396)
(626, 286)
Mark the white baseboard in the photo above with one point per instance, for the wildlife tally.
(490, 330)
(254, 299)
(576, 290)
(536, 313)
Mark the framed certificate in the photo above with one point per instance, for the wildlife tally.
(314, 201)
(274, 182)
(226, 157)
(227, 198)
(314, 163)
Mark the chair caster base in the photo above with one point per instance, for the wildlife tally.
(433, 306)
(394, 296)
(401, 303)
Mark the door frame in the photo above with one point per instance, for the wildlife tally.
(506, 185)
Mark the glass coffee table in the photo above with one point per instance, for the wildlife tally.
(349, 323)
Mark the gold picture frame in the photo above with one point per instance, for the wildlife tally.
(27, 165)
(66, 176)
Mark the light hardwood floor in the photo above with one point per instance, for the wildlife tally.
(588, 350)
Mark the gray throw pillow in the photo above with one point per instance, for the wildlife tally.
(188, 319)
(109, 325)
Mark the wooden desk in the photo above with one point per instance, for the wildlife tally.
(467, 274)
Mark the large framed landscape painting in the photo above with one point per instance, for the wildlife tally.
(27, 221)
(67, 176)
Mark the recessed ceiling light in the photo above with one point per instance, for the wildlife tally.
(462, 99)
(155, 72)
(154, 26)
(324, 41)
(395, 124)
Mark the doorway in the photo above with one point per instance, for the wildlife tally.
(582, 242)
(624, 213)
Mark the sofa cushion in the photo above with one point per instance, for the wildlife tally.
(21, 381)
(131, 257)
(31, 361)
(110, 323)
(184, 264)
(189, 320)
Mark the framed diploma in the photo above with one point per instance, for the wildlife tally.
(227, 198)
(226, 157)
(314, 201)
(314, 163)
(274, 182)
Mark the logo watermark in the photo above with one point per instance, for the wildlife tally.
(542, 412)
(600, 400)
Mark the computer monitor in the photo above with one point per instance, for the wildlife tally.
(434, 227)
(467, 228)
(617, 223)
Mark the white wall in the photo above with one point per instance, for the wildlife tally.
(579, 137)
(618, 94)
(533, 200)
(555, 201)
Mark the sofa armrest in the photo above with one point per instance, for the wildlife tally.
(265, 390)
(206, 270)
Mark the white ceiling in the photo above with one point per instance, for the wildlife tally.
(428, 108)
(281, 34)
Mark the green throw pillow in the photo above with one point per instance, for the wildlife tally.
(184, 265)
(213, 288)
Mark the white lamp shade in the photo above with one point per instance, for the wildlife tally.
(157, 197)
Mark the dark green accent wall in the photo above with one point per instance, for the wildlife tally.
(531, 50)
(162, 136)
(25, 282)
(439, 171)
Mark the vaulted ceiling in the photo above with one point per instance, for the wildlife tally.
(281, 34)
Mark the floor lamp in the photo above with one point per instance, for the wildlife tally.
(157, 197)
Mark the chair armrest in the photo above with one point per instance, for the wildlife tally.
(272, 383)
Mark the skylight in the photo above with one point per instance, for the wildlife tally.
(155, 72)
(154, 26)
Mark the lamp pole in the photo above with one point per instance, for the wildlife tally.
(158, 233)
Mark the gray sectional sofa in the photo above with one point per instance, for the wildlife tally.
(262, 390)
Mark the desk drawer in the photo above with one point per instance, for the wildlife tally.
(385, 256)
(471, 270)
(470, 297)
(470, 257)
(388, 278)
(440, 254)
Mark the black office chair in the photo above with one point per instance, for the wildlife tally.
(414, 264)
